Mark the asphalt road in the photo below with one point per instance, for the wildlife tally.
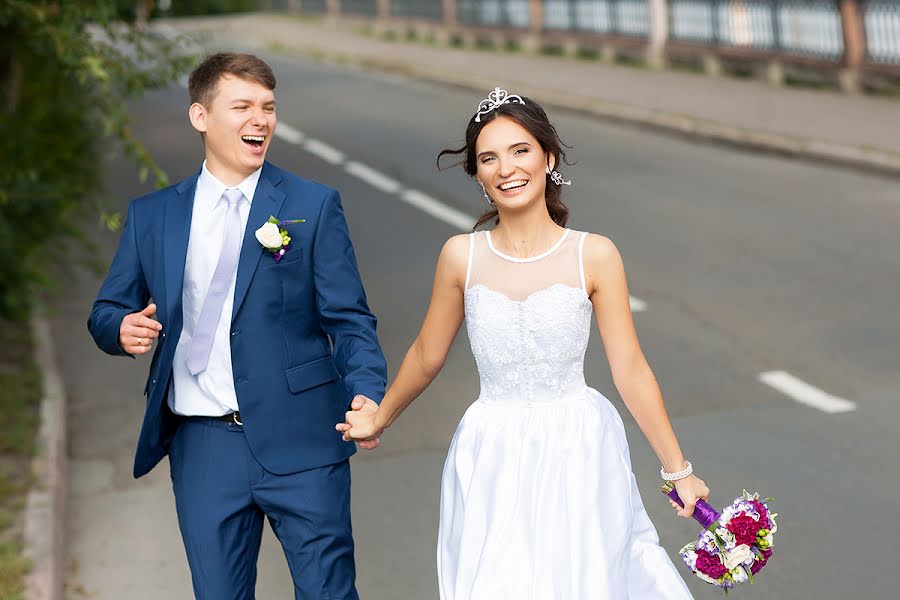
(746, 263)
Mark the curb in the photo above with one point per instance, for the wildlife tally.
(45, 507)
(870, 159)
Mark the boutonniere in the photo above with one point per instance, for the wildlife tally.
(274, 237)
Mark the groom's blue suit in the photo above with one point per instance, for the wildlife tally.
(302, 338)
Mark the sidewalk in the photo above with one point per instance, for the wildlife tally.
(819, 125)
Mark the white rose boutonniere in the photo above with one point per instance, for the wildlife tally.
(274, 237)
(270, 237)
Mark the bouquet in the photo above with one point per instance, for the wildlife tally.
(734, 544)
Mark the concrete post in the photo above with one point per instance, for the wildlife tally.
(537, 15)
(659, 34)
(446, 29)
(333, 8)
(383, 10)
(449, 7)
(854, 45)
(532, 41)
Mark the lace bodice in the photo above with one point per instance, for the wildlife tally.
(528, 320)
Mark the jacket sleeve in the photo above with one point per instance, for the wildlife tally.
(341, 305)
(124, 291)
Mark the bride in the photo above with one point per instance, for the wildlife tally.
(538, 500)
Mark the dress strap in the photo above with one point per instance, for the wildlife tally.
(469, 263)
(581, 260)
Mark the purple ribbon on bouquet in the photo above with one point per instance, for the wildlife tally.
(704, 513)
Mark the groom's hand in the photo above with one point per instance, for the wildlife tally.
(365, 405)
(138, 330)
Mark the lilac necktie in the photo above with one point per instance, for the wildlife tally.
(208, 321)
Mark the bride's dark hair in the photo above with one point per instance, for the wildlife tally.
(532, 117)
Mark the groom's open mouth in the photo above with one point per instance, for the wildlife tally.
(255, 141)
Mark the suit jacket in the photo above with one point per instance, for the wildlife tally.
(303, 340)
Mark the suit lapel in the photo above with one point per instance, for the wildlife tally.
(267, 201)
(179, 210)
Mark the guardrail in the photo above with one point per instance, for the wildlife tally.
(850, 41)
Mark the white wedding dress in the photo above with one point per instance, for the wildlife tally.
(538, 501)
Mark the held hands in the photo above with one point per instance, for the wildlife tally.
(138, 330)
(361, 425)
(690, 489)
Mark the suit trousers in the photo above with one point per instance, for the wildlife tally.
(222, 495)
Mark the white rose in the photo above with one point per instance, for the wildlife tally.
(269, 236)
(737, 555)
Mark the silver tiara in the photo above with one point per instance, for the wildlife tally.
(495, 99)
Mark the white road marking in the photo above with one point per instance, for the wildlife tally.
(438, 209)
(373, 177)
(637, 305)
(327, 153)
(805, 393)
(289, 134)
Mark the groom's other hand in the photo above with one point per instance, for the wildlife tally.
(366, 405)
(138, 330)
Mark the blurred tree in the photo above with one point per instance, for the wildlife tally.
(67, 69)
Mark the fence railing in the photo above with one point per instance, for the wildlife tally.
(853, 37)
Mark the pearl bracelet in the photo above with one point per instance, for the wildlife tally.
(677, 475)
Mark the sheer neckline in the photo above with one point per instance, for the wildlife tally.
(543, 254)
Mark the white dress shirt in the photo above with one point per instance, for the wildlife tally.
(211, 392)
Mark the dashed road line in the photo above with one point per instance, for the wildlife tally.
(329, 154)
(804, 393)
(373, 177)
(438, 209)
(289, 134)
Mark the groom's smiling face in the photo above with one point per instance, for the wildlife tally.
(237, 125)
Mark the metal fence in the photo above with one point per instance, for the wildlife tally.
(318, 7)
(882, 23)
(363, 8)
(433, 10)
(494, 13)
(628, 17)
(805, 27)
(799, 28)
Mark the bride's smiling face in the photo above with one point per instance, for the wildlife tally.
(511, 165)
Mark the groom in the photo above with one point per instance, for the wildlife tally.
(263, 337)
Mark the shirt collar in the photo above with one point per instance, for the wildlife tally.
(216, 188)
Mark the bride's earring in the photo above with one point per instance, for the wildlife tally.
(486, 197)
(557, 177)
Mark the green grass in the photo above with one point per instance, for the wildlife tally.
(512, 45)
(20, 394)
(13, 568)
(588, 54)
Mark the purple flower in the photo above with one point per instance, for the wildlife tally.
(710, 565)
(760, 561)
(763, 514)
(744, 527)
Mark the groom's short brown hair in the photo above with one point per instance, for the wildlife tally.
(204, 79)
